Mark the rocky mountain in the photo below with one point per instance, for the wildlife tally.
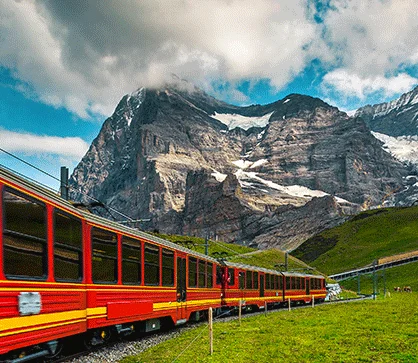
(395, 124)
(271, 174)
(395, 118)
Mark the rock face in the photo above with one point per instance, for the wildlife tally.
(395, 118)
(271, 175)
(395, 123)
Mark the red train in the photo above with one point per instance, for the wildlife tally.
(66, 273)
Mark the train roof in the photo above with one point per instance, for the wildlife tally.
(52, 196)
(250, 267)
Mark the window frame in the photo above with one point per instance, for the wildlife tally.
(45, 263)
(209, 275)
(81, 250)
(116, 259)
(231, 276)
(201, 275)
(192, 271)
(165, 268)
(132, 261)
(154, 247)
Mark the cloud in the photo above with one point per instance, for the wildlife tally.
(352, 85)
(67, 148)
(85, 54)
(372, 38)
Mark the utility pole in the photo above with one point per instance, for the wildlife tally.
(286, 261)
(374, 280)
(207, 246)
(64, 183)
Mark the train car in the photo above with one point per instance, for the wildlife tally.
(316, 287)
(303, 288)
(68, 273)
(253, 286)
(65, 272)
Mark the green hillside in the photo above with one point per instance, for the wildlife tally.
(405, 275)
(272, 259)
(368, 236)
(216, 249)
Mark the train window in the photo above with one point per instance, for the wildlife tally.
(249, 280)
(105, 256)
(268, 281)
(151, 264)
(280, 282)
(192, 272)
(210, 275)
(24, 236)
(202, 273)
(276, 285)
(231, 276)
(287, 282)
(168, 267)
(218, 275)
(131, 261)
(241, 279)
(255, 279)
(68, 249)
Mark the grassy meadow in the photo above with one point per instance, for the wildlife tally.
(405, 275)
(367, 236)
(384, 330)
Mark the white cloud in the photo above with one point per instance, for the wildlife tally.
(67, 148)
(85, 55)
(374, 37)
(352, 85)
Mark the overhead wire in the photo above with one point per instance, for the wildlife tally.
(108, 208)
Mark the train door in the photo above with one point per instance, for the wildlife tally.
(308, 283)
(181, 288)
(261, 285)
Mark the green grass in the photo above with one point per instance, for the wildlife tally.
(405, 275)
(273, 259)
(366, 237)
(368, 331)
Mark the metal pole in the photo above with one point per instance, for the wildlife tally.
(289, 303)
(210, 331)
(239, 312)
(384, 282)
(358, 283)
(286, 261)
(265, 308)
(374, 280)
(64, 183)
(206, 246)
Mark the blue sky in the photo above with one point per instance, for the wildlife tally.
(65, 65)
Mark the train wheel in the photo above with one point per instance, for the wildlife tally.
(57, 351)
(97, 337)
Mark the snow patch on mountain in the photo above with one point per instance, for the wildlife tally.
(219, 176)
(244, 122)
(292, 190)
(403, 148)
